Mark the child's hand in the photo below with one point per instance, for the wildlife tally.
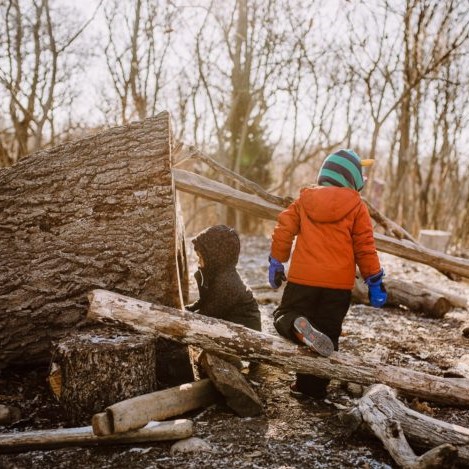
(276, 273)
(376, 291)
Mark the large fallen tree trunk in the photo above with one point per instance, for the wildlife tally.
(379, 408)
(204, 187)
(224, 337)
(96, 213)
(84, 436)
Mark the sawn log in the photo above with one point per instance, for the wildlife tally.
(221, 337)
(99, 212)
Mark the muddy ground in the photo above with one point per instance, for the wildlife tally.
(291, 433)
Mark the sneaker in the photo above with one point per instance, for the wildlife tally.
(313, 338)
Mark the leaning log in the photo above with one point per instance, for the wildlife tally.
(379, 408)
(160, 405)
(204, 187)
(220, 337)
(95, 213)
(84, 436)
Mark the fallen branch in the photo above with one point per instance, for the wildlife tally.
(204, 187)
(391, 227)
(220, 337)
(84, 436)
(190, 151)
(138, 411)
(390, 420)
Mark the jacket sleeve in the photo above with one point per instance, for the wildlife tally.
(364, 247)
(287, 227)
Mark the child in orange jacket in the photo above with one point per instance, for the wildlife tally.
(333, 234)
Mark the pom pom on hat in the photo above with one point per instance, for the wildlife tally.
(343, 169)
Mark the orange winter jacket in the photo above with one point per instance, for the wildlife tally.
(334, 233)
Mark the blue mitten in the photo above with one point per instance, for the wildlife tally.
(276, 273)
(376, 291)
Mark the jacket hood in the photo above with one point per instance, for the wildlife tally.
(328, 204)
(219, 246)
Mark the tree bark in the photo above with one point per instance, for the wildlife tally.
(84, 436)
(224, 337)
(99, 368)
(204, 187)
(95, 213)
(379, 407)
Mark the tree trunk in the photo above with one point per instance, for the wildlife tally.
(98, 368)
(423, 431)
(98, 212)
(220, 337)
(84, 436)
(204, 187)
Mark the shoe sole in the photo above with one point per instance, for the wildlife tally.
(313, 338)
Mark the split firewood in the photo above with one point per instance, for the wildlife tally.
(160, 405)
(255, 205)
(99, 211)
(84, 436)
(232, 384)
(218, 336)
(394, 424)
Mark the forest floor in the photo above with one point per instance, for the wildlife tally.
(291, 433)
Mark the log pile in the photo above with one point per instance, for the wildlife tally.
(222, 337)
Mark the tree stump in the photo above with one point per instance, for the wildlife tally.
(100, 212)
(435, 239)
(93, 370)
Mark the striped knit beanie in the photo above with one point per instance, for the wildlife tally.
(342, 169)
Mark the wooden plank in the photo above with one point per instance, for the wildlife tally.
(220, 337)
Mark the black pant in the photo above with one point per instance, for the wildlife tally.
(325, 308)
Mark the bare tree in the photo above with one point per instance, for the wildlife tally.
(39, 38)
(136, 48)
